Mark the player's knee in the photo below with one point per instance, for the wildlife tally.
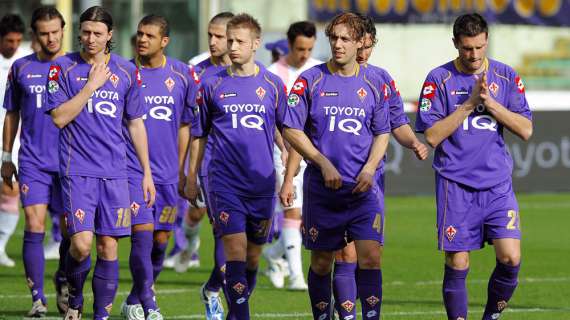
(457, 260)
(35, 224)
(161, 236)
(235, 250)
(321, 262)
(195, 216)
(369, 260)
(80, 250)
(107, 247)
(511, 259)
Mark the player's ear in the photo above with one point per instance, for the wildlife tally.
(256, 42)
(164, 42)
(110, 35)
(455, 44)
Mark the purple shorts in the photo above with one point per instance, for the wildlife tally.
(97, 205)
(467, 217)
(330, 217)
(235, 213)
(163, 213)
(41, 187)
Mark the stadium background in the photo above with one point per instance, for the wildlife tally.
(533, 36)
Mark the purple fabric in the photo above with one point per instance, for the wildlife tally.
(34, 264)
(344, 288)
(369, 283)
(455, 293)
(105, 283)
(502, 285)
(320, 295)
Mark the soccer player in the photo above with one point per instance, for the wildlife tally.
(238, 110)
(338, 120)
(90, 94)
(465, 105)
(38, 159)
(11, 34)
(168, 91)
(344, 282)
(301, 37)
(218, 61)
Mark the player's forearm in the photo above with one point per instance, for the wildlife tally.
(445, 127)
(293, 164)
(140, 142)
(183, 146)
(405, 136)
(197, 147)
(10, 130)
(69, 110)
(279, 140)
(377, 152)
(299, 140)
(514, 122)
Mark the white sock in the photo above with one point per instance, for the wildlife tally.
(193, 235)
(276, 250)
(292, 242)
(8, 223)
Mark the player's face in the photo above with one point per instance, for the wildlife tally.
(10, 43)
(300, 50)
(366, 51)
(217, 39)
(343, 46)
(49, 35)
(150, 41)
(94, 37)
(242, 44)
(472, 51)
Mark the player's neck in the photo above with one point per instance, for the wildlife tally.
(155, 61)
(346, 70)
(42, 56)
(100, 57)
(244, 70)
(292, 63)
(221, 60)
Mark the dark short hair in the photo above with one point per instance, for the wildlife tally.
(370, 27)
(159, 21)
(469, 25)
(222, 17)
(301, 28)
(45, 14)
(11, 23)
(98, 14)
(244, 20)
(353, 22)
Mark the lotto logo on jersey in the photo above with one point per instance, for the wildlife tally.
(299, 86)
(53, 73)
(138, 77)
(194, 75)
(394, 87)
(520, 84)
(428, 90)
(450, 233)
(386, 90)
(80, 215)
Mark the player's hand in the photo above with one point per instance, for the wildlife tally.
(191, 191)
(98, 75)
(485, 95)
(365, 180)
(181, 184)
(331, 176)
(475, 98)
(149, 191)
(420, 150)
(284, 156)
(287, 193)
(8, 171)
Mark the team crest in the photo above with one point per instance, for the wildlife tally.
(293, 100)
(135, 208)
(239, 287)
(109, 307)
(450, 233)
(494, 88)
(30, 283)
(372, 301)
(322, 305)
(347, 305)
(25, 188)
(361, 93)
(169, 84)
(114, 80)
(260, 93)
(80, 215)
(223, 268)
(313, 233)
(501, 305)
(224, 217)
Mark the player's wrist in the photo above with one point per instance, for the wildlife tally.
(6, 156)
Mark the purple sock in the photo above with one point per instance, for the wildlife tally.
(236, 283)
(157, 257)
(320, 294)
(455, 292)
(105, 283)
(142, 271)
(76, 272)
(344, 288)
(60, 277)
(501, 287)
(34, 263)
(216, 280)
(369, 284)
(251, 276)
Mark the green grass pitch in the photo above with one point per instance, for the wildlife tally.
(412, 270)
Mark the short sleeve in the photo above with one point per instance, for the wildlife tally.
(202, 117)
(58, 91)
(133, 103)
(13, 92)
(298, 103)
(398, 117)
(517, 99)
(281, 104)
(431, 106)
(190, 95)
(380, 117)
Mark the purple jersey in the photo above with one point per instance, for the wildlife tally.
(93, 144)
(340, 115)
(475, 154)
(25, 92)
(204, 70)
(167, 93)
(242, 113)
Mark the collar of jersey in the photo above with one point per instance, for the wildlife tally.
(140, 66)
(107, 57)
(231, 73)
(330, 68)
(460, 68)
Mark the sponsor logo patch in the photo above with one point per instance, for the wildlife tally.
(425, 105)
(299, 86)
(328, 94)
(227, 95)
(293, 100)
(520, 84)
(428, 90)
(32, 76)
(53, 87)
(54, 72)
